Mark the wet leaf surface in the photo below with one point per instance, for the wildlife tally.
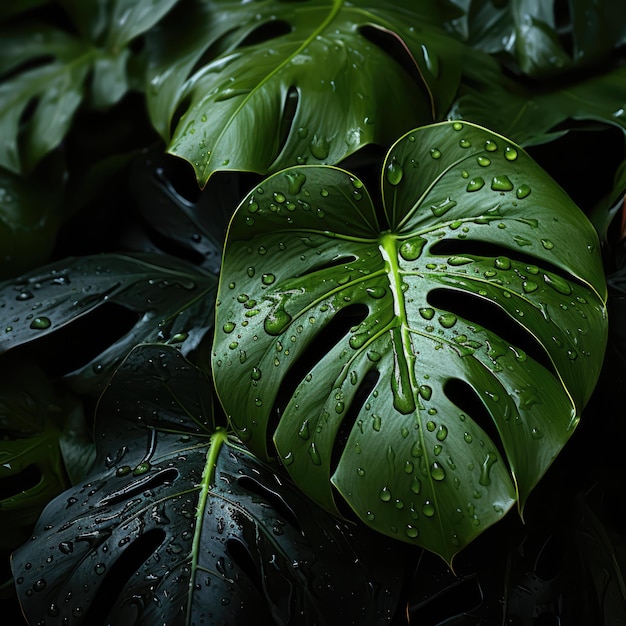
(428, 361)
(291, 83)
(178, 524)
(159, 295)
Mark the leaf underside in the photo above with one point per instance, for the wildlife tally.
(425, 363)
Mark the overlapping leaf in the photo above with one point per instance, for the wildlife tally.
(32, 472)
(427, 362)
(531, 116)
(171, 300)
(180, 525)
(327, 78)
(48, 73)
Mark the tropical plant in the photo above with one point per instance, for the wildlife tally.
(350, 326)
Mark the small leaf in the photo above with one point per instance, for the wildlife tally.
(178, 524)
(427, 361)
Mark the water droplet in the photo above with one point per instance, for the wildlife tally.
(411, 249)
(100, 568)
(428, 508)
(24, 295)
(288, 459)
(535, 433)
(437, 472)
(376, 292)
(425, 391)
(295, 181)
(394, 172)
(427, 313)
(464, 143)
(485, 469)
(447, 320)
(510, 153)
(253, 206)
(435, 153)
(376, 422)
(457, 126)
(547, 244)
(39, 585)
(40, 323)
(442, 433)
(255, 374)
(279, 197)
(483, 161)
(468, 438)
(373, 356)
(416, 485)
(502, 263)
(360, 471)
(529, 286)
(250, 271)
(228, 327)
(304, 433)
(385, 494)
(491, 146)
(262, 250)
(319, 147)
(339, 407)
(522, 191)
(142, 468)
(370, 516)
(277, 321)
(501, 183)
(475, 184)
(314, 454)
(456, 261)
(560, 285)
(53, 610)
(268, 279)
(441, 209)
(411, 531)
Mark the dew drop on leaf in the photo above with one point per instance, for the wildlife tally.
(491, 146)
(475, 184)
(40, 323)
(394, 172)
(522, 191)
(428, 508)
(385, 494)
(510, 153)
(435, 153)
(501, 183)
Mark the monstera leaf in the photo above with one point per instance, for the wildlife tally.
(178, 524)
(424, 362)
(154, 296)
(296, 82)
(49, 72)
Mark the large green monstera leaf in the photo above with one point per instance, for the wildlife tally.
(296, 82)
(425, 362)
(177, 524)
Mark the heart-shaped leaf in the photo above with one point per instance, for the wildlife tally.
(145, 297)
(427, 361)
(297, 82)
(180, 525)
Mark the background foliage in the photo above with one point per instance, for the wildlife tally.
(109, 242)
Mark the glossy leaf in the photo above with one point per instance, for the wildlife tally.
(178, 524)
(543, 38)
(165, 300)
(425, 362)
(327, 78)
(49, 73)
(532, 116)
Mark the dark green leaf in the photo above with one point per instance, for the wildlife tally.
(169, 300)
(364, 335)
(32, 416)
(180, 525)
(28, 223)
(532, 116)
(327, 78)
